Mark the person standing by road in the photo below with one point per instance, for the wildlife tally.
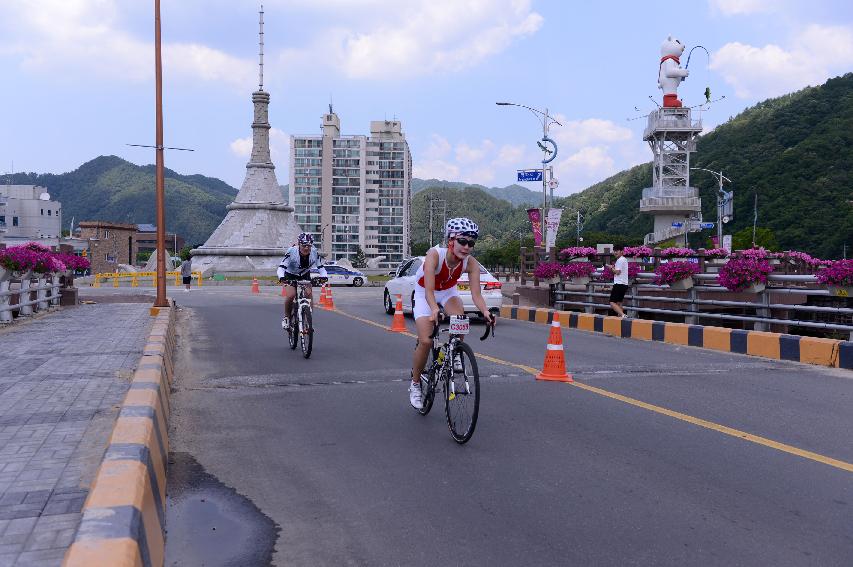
(620, 281)
(187, 273)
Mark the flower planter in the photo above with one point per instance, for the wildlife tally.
(840, 290)
(579, 280)
(686, 283)
(756, 287)
(5, 275)
(550, 281)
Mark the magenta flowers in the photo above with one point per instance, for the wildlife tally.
(577, 270)
(740, 273)
(838, 273)
(38, 258)
(637, 252)
(675, 271)
(577, 252)
(547, 270)
(717, 253)
(675, 252)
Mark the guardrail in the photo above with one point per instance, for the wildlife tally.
(29, 298)
(134, 278)
(761, 313)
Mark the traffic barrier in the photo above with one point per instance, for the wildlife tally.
(809, 350)
(554, 366)
(398, 325)
(256, 288)
(330, 303)
(124, 515)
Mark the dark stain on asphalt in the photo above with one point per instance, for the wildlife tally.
(209, 524)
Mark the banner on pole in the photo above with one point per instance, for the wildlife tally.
(552, 223)
(535, 216)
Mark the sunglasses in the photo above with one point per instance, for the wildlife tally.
(466, 242)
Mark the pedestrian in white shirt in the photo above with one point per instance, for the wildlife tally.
(620, 281)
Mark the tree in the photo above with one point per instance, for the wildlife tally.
(185, 253)
(359, 261)
(419, 248)
(764, 237)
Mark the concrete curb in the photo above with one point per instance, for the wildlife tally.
(124, 517)
(808, 350)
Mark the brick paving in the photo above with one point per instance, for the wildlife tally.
(62, 377)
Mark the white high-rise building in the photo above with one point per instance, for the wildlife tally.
(354, 191)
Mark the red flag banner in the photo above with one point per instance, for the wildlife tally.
(535, 216)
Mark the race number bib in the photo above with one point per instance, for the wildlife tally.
(459, 325)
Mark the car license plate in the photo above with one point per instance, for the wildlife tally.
(459, 325)
(463, 287)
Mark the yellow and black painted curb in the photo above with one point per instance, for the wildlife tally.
(124, 517)
(809, 350)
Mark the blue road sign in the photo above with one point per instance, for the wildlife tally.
(530, 175)
(677, 224)
(706, 225)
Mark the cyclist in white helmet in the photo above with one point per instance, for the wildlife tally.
(296, 266)
(436, 286)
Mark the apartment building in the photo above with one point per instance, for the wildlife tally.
(354, 191)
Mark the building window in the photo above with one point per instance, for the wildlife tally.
(49, 212)
(42, 212)
(14, 221)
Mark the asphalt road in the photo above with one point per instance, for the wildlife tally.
(323, 462)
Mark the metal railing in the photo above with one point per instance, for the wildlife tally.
(761, 313)
(46, 292)
(134, 278)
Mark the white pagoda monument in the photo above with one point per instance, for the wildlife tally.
(258, 226)
(671, 134)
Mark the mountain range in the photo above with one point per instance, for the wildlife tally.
(794, 153)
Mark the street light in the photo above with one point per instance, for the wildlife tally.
(723, 197)
(546, 120)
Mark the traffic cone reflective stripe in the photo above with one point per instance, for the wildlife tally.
(398, 325)
(554, 366)
(255, 287)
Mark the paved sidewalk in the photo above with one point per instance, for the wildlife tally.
(62, 377)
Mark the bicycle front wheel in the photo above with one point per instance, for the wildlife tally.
(306, 332)
(462, 396)
(293, 330)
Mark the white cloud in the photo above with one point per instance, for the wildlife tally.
(738, 7)
(579, 133)
(84, 39)
(241, 147)
(428, 36)
(815, 54)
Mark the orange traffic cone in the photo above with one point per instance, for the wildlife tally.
(554, 367)
(323, 296)
(282, 292)
(255, 287)
(330, 303)
(398, 325)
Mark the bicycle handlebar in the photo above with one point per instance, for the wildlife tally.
(490, 328)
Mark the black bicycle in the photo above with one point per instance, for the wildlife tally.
(453, 368)
(301, 330)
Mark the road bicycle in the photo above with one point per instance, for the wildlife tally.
(461, 387)
(301, 330)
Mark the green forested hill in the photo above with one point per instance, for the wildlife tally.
(795, 152)
(515, 194)
(111, 189)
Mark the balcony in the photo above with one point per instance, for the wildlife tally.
(670, 200)
(671, 120)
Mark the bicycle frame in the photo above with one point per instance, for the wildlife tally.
(298, 301)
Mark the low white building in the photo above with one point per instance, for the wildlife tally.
(28, 213)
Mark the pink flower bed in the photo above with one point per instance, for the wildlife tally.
(838, 273)
(577, 252)
(675, 271)
(676, 252)
(37, 258)
(637, 252)
(577, 270)
(740, 273)
(548, 270)
(717, 253)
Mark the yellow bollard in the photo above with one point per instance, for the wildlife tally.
(115, 279)
(134, 281)
(153, 278)
(199, 278)
(177, 278)
(97, 281)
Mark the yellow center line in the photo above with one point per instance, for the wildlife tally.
(790, 449)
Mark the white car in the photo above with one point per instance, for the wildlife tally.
(338, 275)
(403, 282)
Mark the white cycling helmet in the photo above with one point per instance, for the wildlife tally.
(305, 238)
(461, 226)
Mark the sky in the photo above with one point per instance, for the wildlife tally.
(78, 77)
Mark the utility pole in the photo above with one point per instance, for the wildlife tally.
(160, 301)
(754, 218)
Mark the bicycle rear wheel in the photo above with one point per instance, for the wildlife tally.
(293, 328)
(306, 332)
(462, 396)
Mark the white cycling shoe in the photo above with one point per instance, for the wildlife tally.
(285, 323)
(415, 397)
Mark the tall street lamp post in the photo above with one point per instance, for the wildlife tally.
(546, 120)
(723, 198)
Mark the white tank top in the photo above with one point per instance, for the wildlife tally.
(445, 278)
